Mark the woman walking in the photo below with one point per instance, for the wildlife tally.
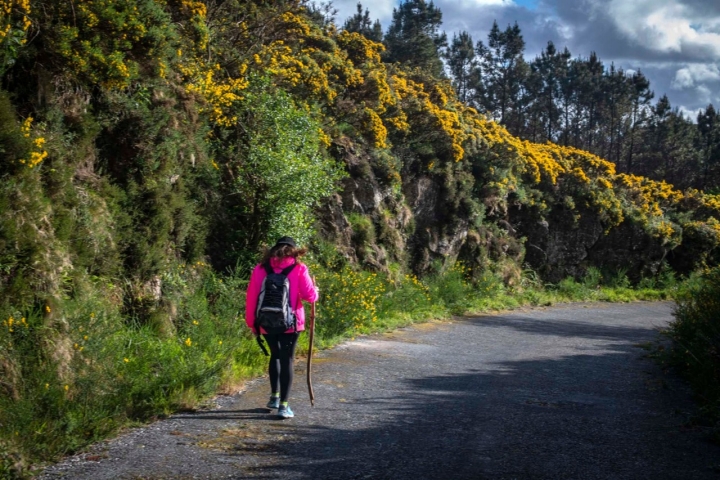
(283, 259)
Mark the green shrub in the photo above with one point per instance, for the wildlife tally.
(530, 279)
(647, 283)
(696, 341)
(350, 300)
(666, 278)
(408, 295)
(452, 289)
(592, 278)
(617, 279)
(363, 235)
(326, 255)
(386, 168)
(273, 172)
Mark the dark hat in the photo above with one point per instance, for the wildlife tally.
(286, 241)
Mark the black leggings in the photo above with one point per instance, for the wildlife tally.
(282, 354)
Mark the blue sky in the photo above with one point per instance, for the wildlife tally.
(527, 3)
(676, 43)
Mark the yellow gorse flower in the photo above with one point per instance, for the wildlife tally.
(11, 12)
(9, 323)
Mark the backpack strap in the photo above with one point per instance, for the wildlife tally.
(289, 269)
(286, 272)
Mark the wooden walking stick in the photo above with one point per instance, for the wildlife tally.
(310, 353)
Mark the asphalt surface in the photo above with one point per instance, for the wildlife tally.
(558, 393)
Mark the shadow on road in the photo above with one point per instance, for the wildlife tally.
(600, 415)
(565, 328)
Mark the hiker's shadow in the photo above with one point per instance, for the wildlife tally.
(246, 414)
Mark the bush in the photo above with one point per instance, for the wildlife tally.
(696, 341)
(592, 278)
(408, 295)
(666, 278)
(572, 290)
(452, 289)
(617, 279)
(350, 301)
(273, 173)
(363, 235)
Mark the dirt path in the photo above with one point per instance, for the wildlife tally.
(556, 393)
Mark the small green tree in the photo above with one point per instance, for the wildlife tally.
(273, 173)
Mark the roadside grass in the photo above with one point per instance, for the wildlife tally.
(80, 376)
(354, 303)
(97, 370)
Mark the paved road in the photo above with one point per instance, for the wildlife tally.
(557, 393)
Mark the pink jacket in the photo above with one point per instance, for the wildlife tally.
(301, 288)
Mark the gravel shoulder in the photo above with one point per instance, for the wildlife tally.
(563, 392)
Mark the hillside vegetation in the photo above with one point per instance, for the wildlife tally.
(150, 149)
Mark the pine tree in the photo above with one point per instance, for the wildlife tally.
(615, 114)
(414, 37)
(708, 124)
(323, 14)
(589, 75)
(463, 64)
(641, 96)
(670, 141)
(503, 73)
(547, 70)
(567, 73)
(360, 22)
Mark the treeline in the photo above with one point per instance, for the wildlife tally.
(572, 101)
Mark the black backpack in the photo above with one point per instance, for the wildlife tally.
(274, 313)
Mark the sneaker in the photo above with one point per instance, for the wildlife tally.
(274, 402)
(285, 412)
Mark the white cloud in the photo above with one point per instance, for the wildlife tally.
(690, 114)
(565, 31)
(694, 74)
(704, 94)
(664, 25)
(683, 79)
